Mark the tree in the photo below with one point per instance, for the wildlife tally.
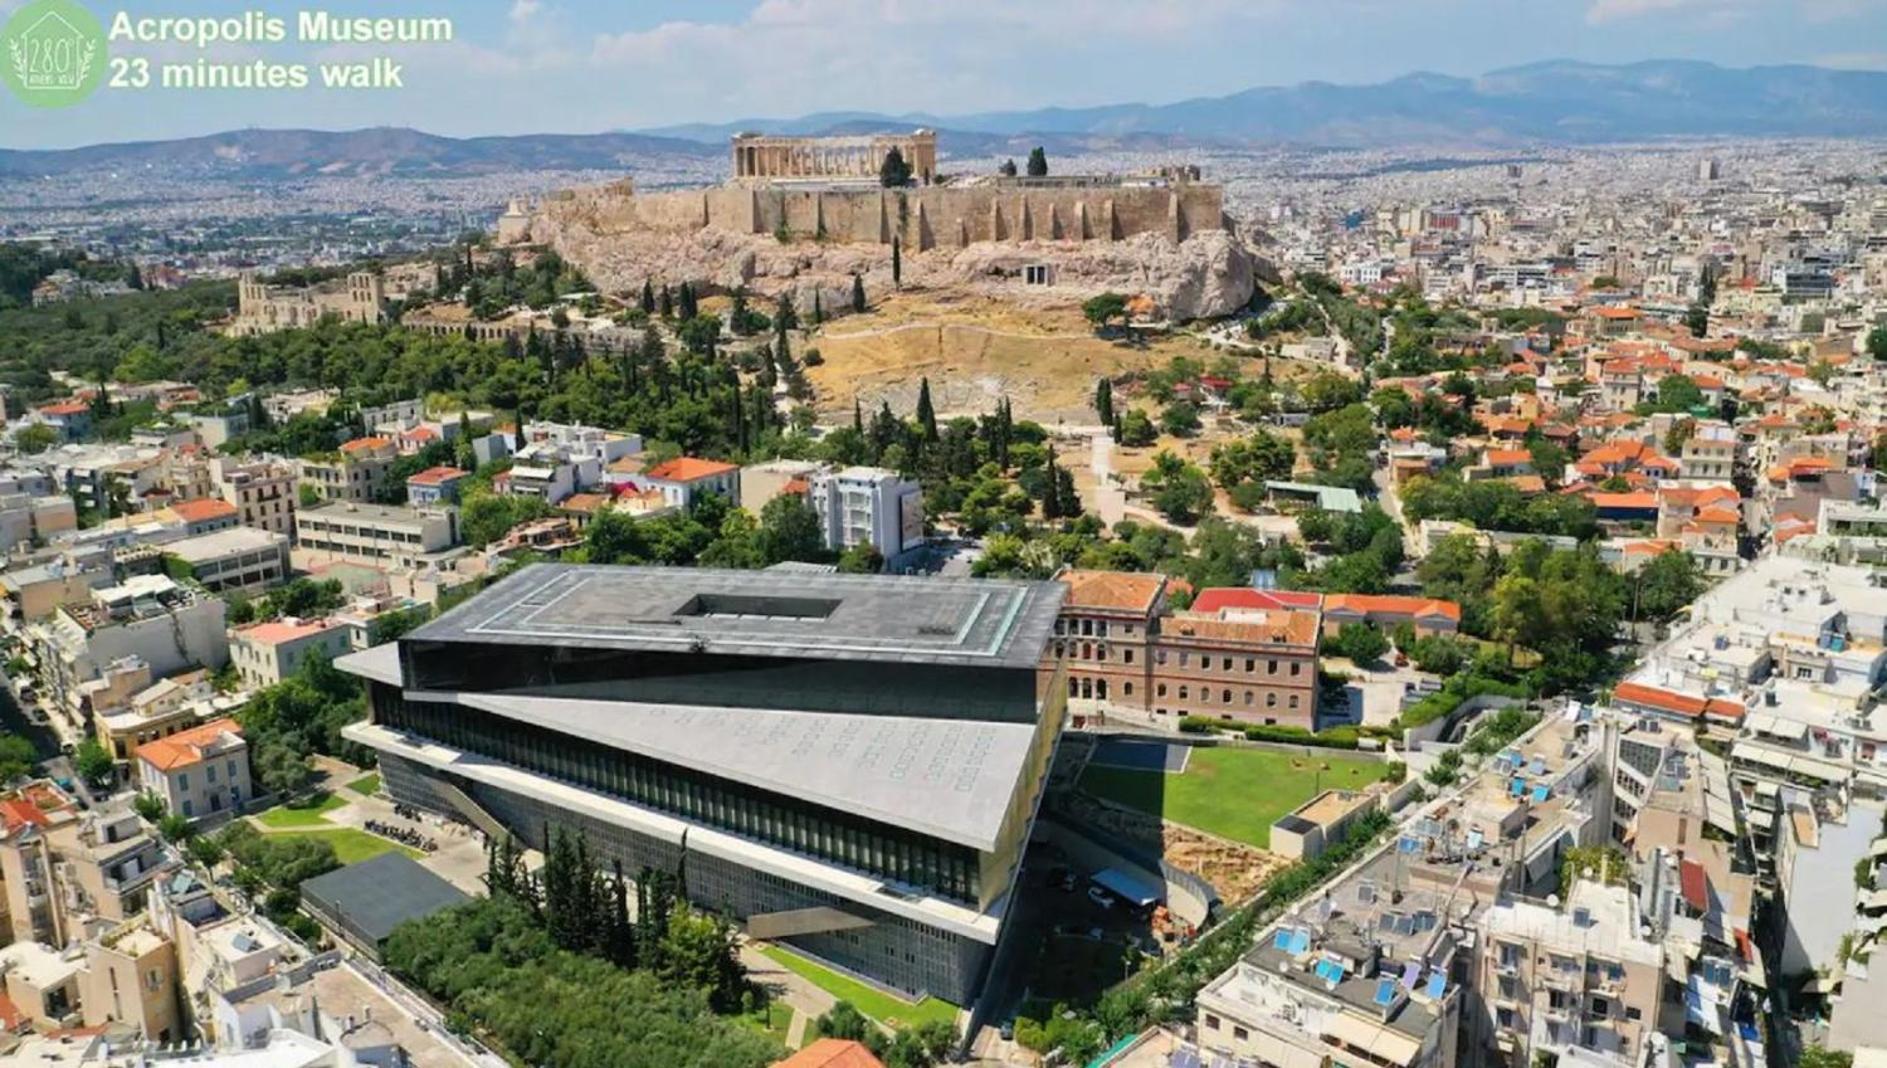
(1104, 308)
(1038, 162)
(1677, 393)
(1260, 458)
(1697, 320)
(1104, 401)
(789, 530)
(926, 414)
(1360, 643)
(1007, 168)
(861, 559)
(36, 438)
(784, 316)
(895, 171)
(1181, 492)
(1180, 419)
(686, 304)
(858, 293)
(93, 763)
(897, 263)
(648, 297)
(1136, 429)
(1667, 583)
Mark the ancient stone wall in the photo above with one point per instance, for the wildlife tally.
(921, 218)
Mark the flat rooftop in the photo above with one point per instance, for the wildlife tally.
(891, 618)
(376, 895)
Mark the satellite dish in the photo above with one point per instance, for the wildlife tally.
(1552, 900)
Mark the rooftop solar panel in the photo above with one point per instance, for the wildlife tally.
(1385, 992)
(1437, 985)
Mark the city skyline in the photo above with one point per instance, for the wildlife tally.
(538, 62)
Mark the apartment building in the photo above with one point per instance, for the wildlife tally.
(376, 534)
(234, 560)
(262, 491)
(560, 459)
(168, 626)
(199, 773)
(65, 869)
(869, 506)
(1555, 979)
(1383, 967)
(28, 520)
(1709, 454)
(27, 904)
(267, 653)
(357, 471)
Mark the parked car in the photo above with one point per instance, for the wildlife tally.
(1100, 897)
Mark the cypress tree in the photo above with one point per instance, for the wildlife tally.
(1051, 490)
(897, 262)
(858, 293)
(690, 304)
(818, 315)
(858, 416)
(1104, 401)
(784, 317)
(926, 415)
(622, 937)
(667, 303)
(648, 297)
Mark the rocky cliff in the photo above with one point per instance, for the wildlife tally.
(1212, 273)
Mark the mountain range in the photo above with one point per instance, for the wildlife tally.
(1551, 102)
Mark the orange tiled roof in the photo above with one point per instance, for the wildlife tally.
(64, 408)
(1684, 704)
(1119, 591)
(832, 1053)
(1218, 598)
(433, 476)
(186, 747)
(1283, 626)
(689, 469)
(1625, 500)
(203, 509)
(359, 444)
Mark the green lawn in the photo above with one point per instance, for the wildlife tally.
(366, 785)
(1233, 793)
(303, 812)
(869, 1000)
(352, 845)
(775, 1022)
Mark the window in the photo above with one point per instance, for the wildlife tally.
(1633, 1014)
(1212, 1021)
(1271, 667)
(1240, 1033)
(1226, 696)
(1127, 655)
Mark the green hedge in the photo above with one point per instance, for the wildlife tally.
(1456, 692)
(1343, 737)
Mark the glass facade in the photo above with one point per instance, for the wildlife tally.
(944, 868)
(683, 677)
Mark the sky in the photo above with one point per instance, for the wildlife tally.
(580, 66)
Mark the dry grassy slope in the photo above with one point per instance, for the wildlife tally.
(975, 350)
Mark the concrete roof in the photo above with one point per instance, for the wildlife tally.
(952, 779)
(889, 618)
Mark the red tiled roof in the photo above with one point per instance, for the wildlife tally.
(1120, 591)
(1683, 704)
(278, 631)
(433, 476)
(689, 469)
(1625, 500)
(1696, 885)
(204, 509)
(64, 408)
(1218, 598)
(365, 443)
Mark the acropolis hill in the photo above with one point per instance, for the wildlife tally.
(801, 214)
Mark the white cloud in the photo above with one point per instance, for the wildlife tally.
(523, 10)
(1854, 60)
(1725, 12)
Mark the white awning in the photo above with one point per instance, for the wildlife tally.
(1375, 1039)
(1820, 769)
(1274, 1050)
(1756, 754)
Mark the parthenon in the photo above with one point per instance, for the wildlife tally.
(761, 156)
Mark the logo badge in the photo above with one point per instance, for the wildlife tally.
(54, 53)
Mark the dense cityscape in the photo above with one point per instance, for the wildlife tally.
(898, 597)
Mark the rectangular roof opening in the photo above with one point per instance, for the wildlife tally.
(757, 606)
